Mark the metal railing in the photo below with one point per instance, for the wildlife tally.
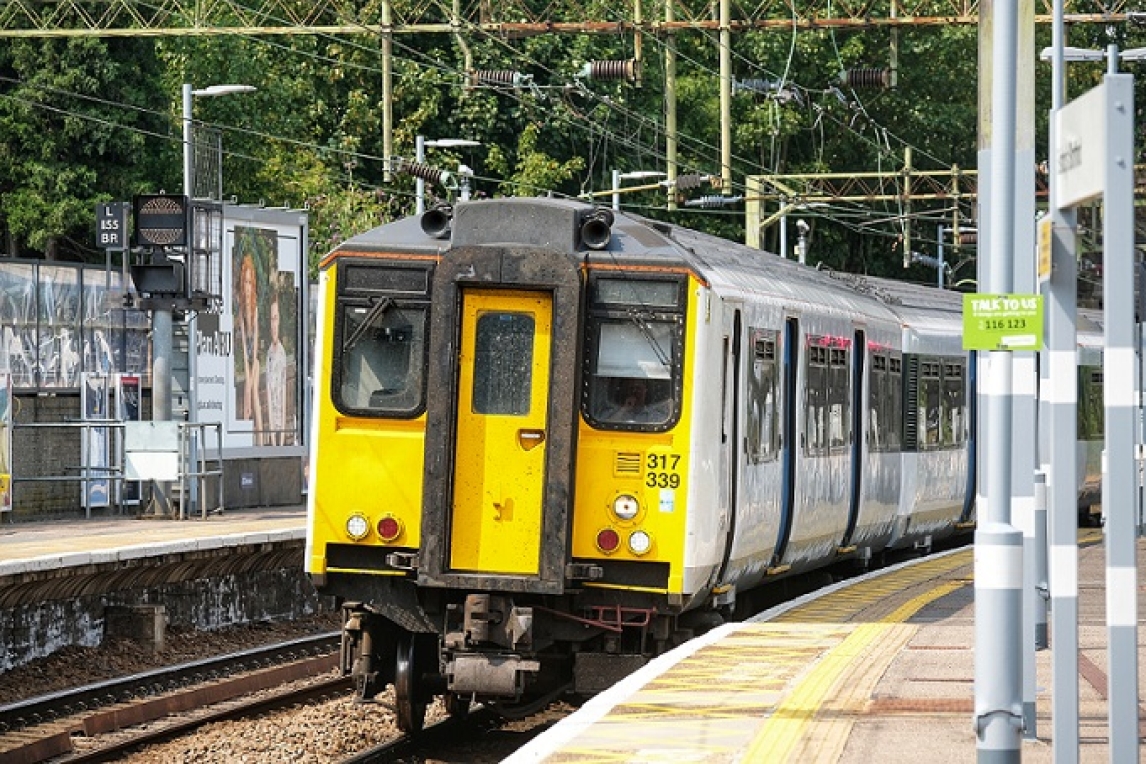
(197, 465)
(200, 458)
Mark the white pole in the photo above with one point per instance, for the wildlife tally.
(420, 185)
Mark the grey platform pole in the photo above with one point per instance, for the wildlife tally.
(1061, 396)
(998, 545)
(1025, 391)
(1119, 479)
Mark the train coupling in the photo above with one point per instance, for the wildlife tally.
(488, 619)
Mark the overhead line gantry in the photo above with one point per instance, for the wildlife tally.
(509, 18)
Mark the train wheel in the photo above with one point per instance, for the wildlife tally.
(457, 706)
(408, 693)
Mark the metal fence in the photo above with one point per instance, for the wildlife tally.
(104, 481)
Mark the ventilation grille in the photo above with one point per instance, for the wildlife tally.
(627, 463)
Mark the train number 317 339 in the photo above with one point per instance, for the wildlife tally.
(661, 471)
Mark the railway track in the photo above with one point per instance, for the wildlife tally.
(41, 728)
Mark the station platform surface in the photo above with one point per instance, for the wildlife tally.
(39, 546)
(878, 669)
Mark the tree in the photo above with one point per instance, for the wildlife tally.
(68, 142)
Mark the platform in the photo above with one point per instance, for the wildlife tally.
(879, 669)
(26, 547)
(61, 581)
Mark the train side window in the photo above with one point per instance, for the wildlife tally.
(381, 356)
(885, 381)
(930, 403)
(763, 435)
(893, 403)
(503, 363)
(877, 424)
(827, 396)
(839, 412)
(816, 395)
(954, 405)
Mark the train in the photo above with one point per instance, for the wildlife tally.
(551, 441)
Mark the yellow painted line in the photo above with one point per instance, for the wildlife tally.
(780, 735)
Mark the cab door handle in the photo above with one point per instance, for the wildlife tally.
(530, 439)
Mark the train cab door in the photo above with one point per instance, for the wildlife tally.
(730, 429)
(500, 444)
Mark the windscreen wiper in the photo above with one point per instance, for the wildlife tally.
(377, 310)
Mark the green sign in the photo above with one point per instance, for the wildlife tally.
(1002, 322)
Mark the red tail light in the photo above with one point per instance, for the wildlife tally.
(608, 540)
(389, 528)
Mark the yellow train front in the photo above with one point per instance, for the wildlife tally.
(499, 475)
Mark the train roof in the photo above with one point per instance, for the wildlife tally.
(730, 267)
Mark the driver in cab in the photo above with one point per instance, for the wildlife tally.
(637, 403)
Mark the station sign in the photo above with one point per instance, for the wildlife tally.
(111, 225)
(1080, 148)
(1002, 322)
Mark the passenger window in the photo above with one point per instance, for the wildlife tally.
(763, 439)
(828, 395)
(930, 404)
(954, 405)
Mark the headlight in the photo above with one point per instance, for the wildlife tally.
(357, 527)
(640, 542)
(626, 507)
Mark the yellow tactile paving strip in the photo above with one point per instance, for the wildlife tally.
(786, 690)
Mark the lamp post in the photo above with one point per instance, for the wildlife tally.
(162, 331)
(162, 342)
(421, 143)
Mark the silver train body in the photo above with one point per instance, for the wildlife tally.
(496, 551)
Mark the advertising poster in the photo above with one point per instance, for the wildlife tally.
(96, 445)
(128, 409)
(250, 351)
(5, 442)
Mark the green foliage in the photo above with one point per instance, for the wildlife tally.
(63, 142)
(313, 133)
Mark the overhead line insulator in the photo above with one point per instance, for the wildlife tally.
(693, 180)
(714, 201)
(498, 78)
(424, 171)
(628, 69)
(868, 79)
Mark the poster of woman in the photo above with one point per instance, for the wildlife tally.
(254, 249)
(264, 313)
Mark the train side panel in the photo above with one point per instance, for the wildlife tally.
(367, 468)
